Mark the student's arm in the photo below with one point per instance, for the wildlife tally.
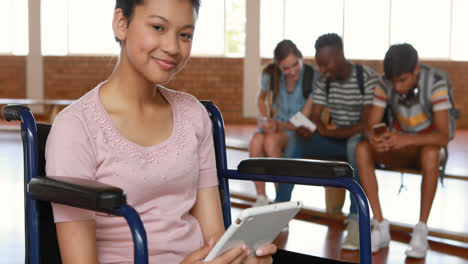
(439, 137)
(261, 104)
(70, 153)
(272, 125)
(77, 242)
(207, 210)
(345, 132)
(307, 109)
(375, 116)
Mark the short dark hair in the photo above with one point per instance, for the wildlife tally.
(328, 40)
(284, 48)
(128, 7)
(399, 59)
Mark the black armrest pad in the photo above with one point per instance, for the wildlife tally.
(77, 192)
(296, 167)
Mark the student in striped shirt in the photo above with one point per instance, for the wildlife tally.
(415, 141)
(347, 90)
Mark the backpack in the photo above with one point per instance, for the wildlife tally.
(434, 75)
(274, 72)
(307, 80)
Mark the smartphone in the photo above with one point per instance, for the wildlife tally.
(379, 129)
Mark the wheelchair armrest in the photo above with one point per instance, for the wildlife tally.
(296, 167)
(79, 193)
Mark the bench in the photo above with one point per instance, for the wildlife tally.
(54, 104)
(238, 138)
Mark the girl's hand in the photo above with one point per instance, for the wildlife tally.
(271, 126)
(234, 256)
(263, 255)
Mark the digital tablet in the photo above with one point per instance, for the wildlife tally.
(256, 227)
(299, 119)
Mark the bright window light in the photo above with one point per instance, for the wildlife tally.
(54, 27)
(366, 32)
(459, 34)
(94, 34)
(209, 31)
(14, 27)
(306, 20)
(235, 28)
(77, 27)
(427, 29)
(271, 26)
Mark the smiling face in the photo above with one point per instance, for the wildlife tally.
(291, 67)
(330, 61)
(158, 40)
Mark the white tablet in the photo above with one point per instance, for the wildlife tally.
(299, 119)
(256, 227)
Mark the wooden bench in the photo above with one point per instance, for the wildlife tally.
(54, 104)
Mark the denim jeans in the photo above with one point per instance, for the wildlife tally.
(351, 144)
(318, 147)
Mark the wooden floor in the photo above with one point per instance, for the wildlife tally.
(311, 235)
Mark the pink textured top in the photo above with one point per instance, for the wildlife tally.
(160, 181)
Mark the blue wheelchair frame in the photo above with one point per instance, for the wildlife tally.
(21, 113)
(344, 182)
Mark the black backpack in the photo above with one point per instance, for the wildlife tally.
(307, 80)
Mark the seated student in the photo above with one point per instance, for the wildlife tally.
(416, 140)
(153, 142)
(347, 90)
(289, 82)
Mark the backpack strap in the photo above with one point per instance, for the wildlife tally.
(307, 80)
(360, 77)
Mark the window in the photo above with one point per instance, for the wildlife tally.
(366, 28)
(306, 20)
(209, 31)
(85, 27)
(427, 29)
(459, 35)
(301, 21)
(77, 27)
(220, 28)
(271, 26)
(436, 28)
(235, 28)
(14, 27)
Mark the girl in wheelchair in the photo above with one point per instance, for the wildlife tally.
(153, 142)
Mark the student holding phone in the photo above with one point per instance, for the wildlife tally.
(416, 140)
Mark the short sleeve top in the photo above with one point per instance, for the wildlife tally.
(160, 181)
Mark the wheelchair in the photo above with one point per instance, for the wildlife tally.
(41, 245)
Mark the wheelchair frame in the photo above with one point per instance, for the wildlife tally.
(302, 172)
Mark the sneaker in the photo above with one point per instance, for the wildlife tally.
(418, 244)
(380, 235)
(261, 201)
(351, 241)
